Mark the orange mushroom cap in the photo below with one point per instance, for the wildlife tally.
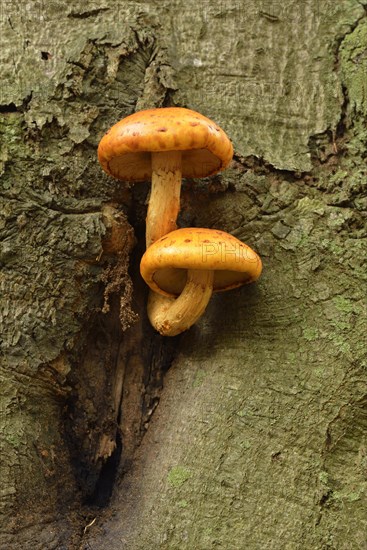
(165, 262)
(125, 150)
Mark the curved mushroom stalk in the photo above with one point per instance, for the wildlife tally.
(164, 202)
(193, 262)
(171, 316)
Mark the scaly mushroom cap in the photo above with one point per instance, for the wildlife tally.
(125, 150)
(165, 263)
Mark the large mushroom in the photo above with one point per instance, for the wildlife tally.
(184, 267)
(164, 145)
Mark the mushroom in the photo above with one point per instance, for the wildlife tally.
(165, 145)
(184, 267)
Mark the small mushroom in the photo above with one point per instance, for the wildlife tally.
(164, 145)
(184, 267)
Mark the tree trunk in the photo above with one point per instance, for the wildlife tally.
(249, 430)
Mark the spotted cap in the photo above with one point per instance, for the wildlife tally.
(165, 263)
(125, 150)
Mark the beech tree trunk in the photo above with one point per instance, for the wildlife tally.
(248, 431)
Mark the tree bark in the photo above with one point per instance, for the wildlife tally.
(249, 430)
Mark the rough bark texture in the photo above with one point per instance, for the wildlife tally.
(259, 437)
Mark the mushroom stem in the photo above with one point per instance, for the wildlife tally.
(171, 316)
(164, 202)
